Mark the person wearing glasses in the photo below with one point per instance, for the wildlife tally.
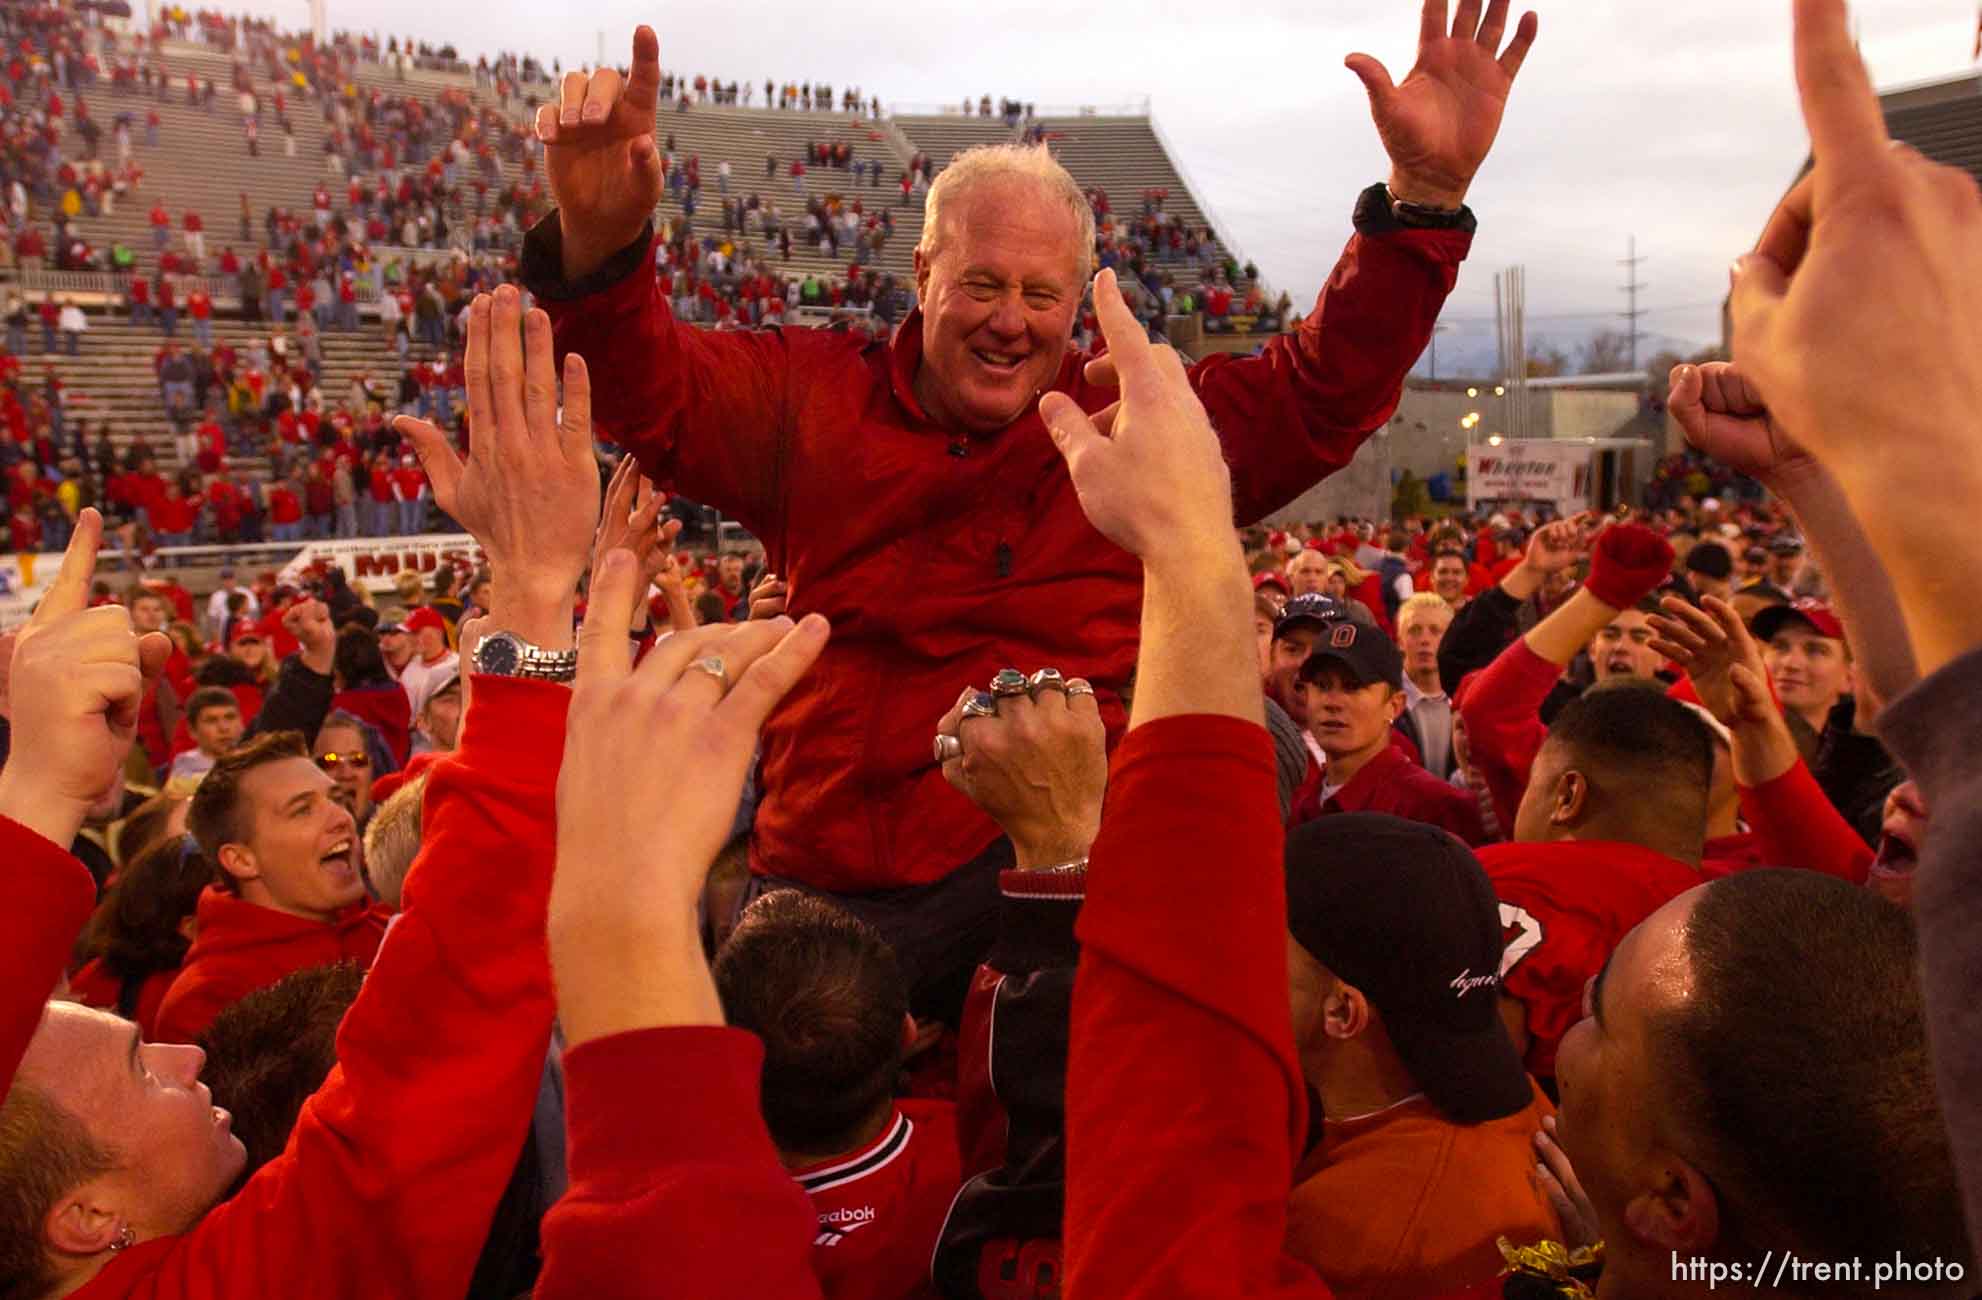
(352, 754)
(288, 892)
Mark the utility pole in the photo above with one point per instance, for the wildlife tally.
(1630, 263)
(601, 61)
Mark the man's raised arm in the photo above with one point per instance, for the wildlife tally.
(702, 410)
(1181, 1068)
(1297, 412)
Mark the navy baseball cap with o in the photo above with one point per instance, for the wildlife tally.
(1404, 912)
(1360, 648)
(1310, 610)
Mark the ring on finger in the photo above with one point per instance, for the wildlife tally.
(947, 748)
(1009, 683)
(1078, 687)
(1046, 679)
(981, 704)
(714, 667)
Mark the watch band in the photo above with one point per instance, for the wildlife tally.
(1378, 213)
(504, 654)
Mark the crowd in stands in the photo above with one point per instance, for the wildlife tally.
(968, 898)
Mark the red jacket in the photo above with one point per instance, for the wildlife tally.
(979, 542)
(396, 1164)
(1392, 783)
(241, 947)
(1563, 907)
(48, 896)
(1504, 730)
(1185, 1107)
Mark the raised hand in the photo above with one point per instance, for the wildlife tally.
(1724, 417)
(529, 490)
(768, 597)
(632, 522)
(1713, 646)
(599, 150)
(77, 677)
(1439, 122)
(309, 622)
(1157, 474)
(1555, 546)
(654, 760)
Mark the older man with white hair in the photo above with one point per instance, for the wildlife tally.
(909, 489)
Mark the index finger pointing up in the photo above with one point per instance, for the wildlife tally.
(644, 85)
(1127, 342)
(70, 591)
(1839, 105)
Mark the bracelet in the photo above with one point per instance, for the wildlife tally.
(1063, 868)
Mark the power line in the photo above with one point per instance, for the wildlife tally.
(1631, 262)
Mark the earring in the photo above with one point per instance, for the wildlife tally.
(125, 1239)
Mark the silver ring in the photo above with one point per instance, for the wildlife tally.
(1009, 683)
(713, 665)
(1047, 679)
(981, 704)
(947, 748)
(1078, 688)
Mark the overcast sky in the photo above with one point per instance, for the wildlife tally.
(1674, 121)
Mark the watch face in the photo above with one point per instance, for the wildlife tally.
(497, 656)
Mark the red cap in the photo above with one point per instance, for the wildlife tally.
(424, 616)
(243, 631)
(1270, 576)
(1819, 616)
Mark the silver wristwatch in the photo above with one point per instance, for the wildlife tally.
(504, 654)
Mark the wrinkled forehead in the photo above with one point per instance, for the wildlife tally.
(1014, 226)
(77, 1051)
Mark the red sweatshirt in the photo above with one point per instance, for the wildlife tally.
(1563, 907)
(1392, 783)
(241, 946)
(982, 536)
(49, 897)
(1504, 729)
(675, 1187)
(396, 1164)
(880, 1208)
(1185, 1108)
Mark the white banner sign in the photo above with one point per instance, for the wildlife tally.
(1534, 469)
(373, 562)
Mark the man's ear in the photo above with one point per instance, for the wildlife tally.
(238, 861)
(82, 1223)
(1678, 1212)
(922, 268)
(1572, 798)
(1395, 704)
(1345, 1012)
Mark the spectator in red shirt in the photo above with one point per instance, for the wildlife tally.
(161, 227)
(285, 512)
(380, 514)
(409, 490)
(827, 998)
(173, 516)
(199, 306)
(195, 236)
(24, 531)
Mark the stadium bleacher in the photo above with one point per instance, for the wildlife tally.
(201, 163)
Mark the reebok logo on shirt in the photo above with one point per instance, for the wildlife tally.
(836, 1225)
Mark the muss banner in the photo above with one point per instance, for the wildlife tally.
(373, 562)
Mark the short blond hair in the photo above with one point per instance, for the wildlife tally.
(392, 840)
(992, 162)
(1418, 603)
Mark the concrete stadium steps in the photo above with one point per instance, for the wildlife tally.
(111, 377)
(944, 137)
(744, 136)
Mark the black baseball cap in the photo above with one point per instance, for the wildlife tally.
(1310, 610)
(1710, 559)
(1361, 648)
(1404, 912)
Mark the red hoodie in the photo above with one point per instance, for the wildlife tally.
(95, 986)
(396, 1164)
(48, 897)
(241, 947)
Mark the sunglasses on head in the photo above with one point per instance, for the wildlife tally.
(354, 758)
